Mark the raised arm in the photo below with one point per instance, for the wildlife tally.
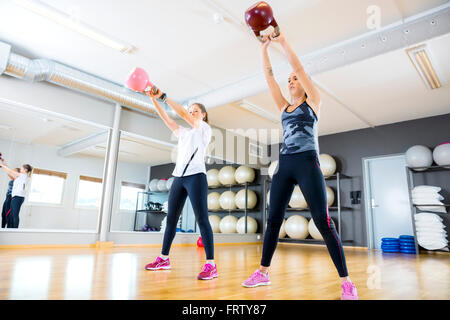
(183, 113)
(303, 78)
(11, 173)
(163, 114)
(275, 90)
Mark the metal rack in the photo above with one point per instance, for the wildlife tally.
(245, 210)
(338, 177)
(409, 173)
(146, 194)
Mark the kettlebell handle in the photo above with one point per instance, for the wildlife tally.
(153, 89)
(276, 30)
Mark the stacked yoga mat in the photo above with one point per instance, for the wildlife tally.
(403, 244)
(430, 230)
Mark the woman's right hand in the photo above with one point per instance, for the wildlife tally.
(266, 42)
(150, 94)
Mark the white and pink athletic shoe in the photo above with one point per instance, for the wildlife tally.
(257, 279)
(349, 291)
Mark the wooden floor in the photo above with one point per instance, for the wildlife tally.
(297, 272)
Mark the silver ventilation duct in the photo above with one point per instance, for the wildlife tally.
(46, 70)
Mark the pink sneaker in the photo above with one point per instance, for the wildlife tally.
(158, 264)
(257, 279)
(349, 291)
(208, 272)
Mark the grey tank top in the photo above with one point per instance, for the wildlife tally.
(300, 130)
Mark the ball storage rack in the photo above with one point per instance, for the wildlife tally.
(338, 207)
(245, 211)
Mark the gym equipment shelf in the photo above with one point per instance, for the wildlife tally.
(245, 211)
(338, 177)
(143, 198)
(409, 173)
(243, 185)
(309, 240)
(233, 211)
(151, 211)
(307, 210)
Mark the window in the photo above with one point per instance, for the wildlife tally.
(46, 186)
(128, 195)
(89, 192)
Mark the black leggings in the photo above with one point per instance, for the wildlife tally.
(302, 169)
(13, 217)
(196, 187)
(6, 210)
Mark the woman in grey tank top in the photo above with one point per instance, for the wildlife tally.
(298, 164)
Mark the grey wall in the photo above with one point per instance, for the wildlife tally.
(349, 148)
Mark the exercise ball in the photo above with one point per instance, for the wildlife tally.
(252, 225)
(313, 231)
(162, 185)
(227, 200)
(327, 165)
(441, 154)
(297, 227)
(200, 242)
(212, 176)
(228, 224)
(240, 199)
(213, 201)
(153, 186)
(226, 176)
(297, 199)
(244, 174)
(214, 221)
(419, 156)
(169, 183)
(273, 168)
(330, 196)
(282, 230)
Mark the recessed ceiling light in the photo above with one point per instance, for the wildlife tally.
(67, 21)
(421, 60)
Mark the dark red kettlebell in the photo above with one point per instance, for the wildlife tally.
(259, 17)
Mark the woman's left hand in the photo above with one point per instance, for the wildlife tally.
(280, 38)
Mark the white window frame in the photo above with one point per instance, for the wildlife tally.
(91, 208)
(120, 194)
(46, 204)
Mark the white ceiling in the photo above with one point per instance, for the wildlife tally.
(369, 88)
(187, 54)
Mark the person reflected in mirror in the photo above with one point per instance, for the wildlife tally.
(18, 191)
(6, 210)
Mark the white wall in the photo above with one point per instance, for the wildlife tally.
(67, 216)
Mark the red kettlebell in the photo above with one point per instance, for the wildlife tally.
(259, 17)
(200, 242)
(138, 81)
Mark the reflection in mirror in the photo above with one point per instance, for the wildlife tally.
(139, 205)
(66, 158)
